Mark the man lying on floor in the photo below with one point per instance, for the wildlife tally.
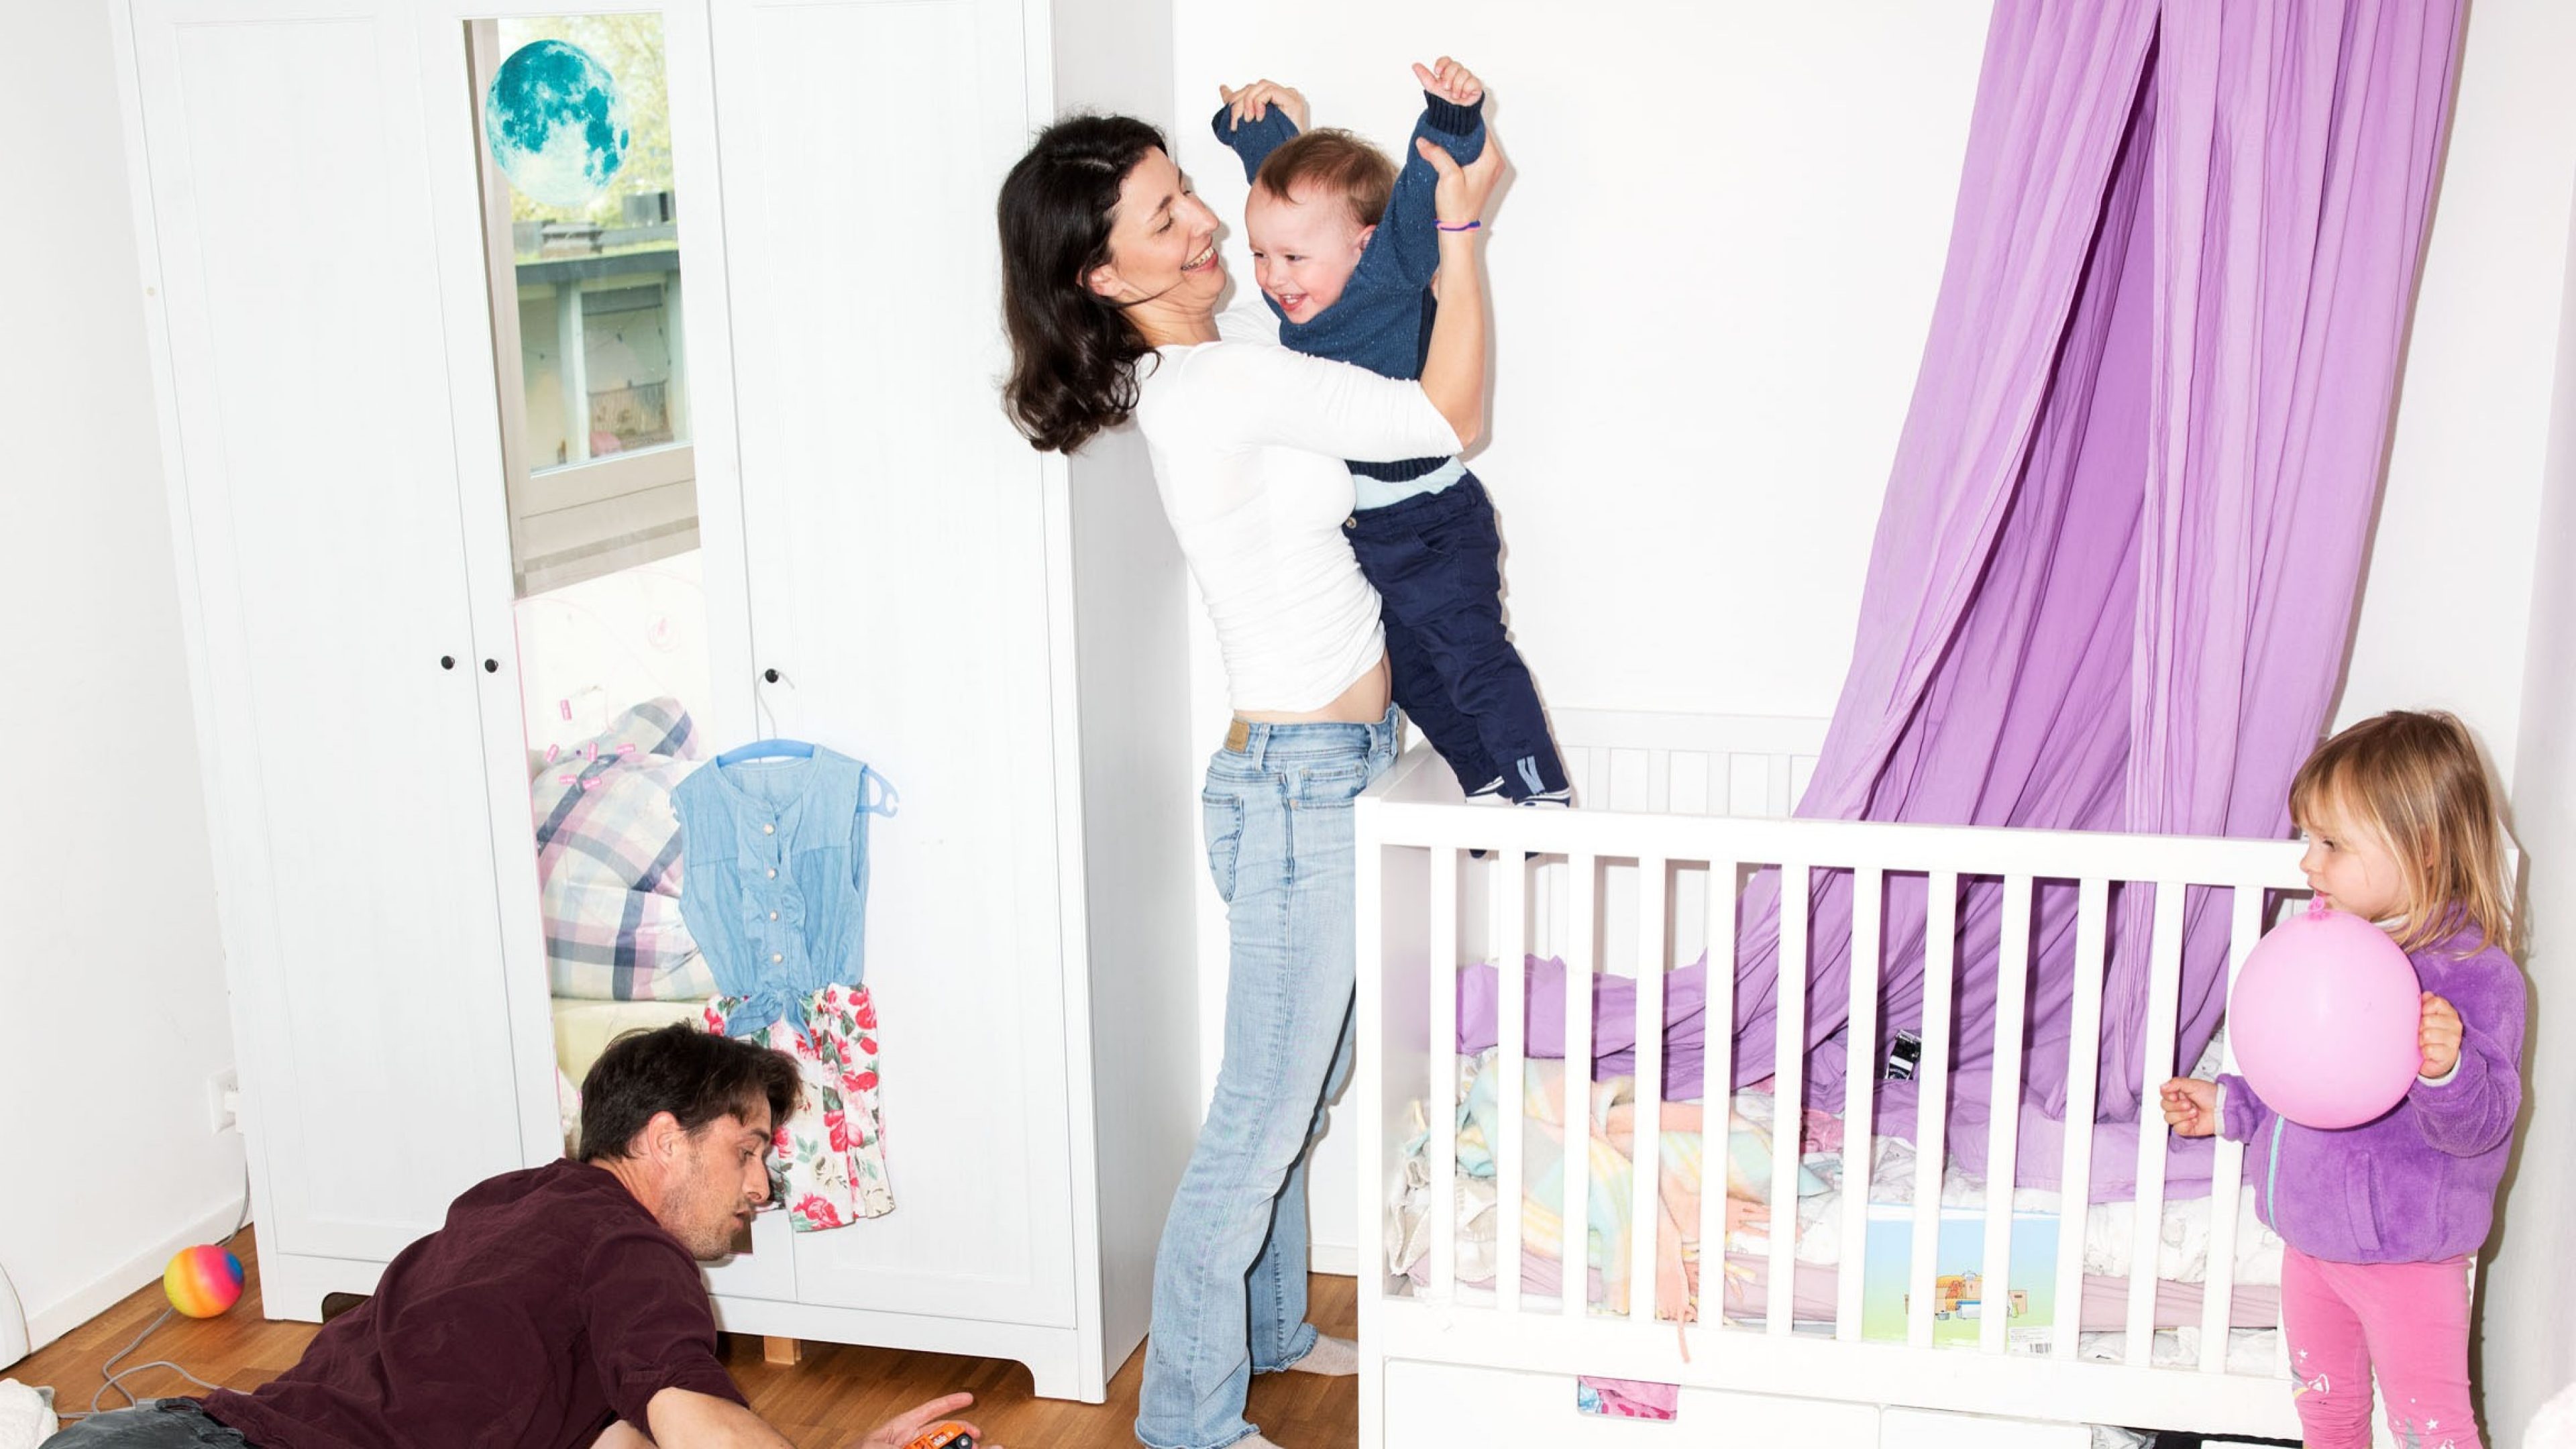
(560, 1306)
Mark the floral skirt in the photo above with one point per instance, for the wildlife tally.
(827, 1160)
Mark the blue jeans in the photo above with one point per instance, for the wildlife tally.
(1230, 1278)
(150, 1424)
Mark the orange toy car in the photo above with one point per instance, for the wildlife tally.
(948, 1435)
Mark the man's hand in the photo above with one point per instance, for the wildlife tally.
(1253, 102)
(2191, 1106)
(2437, 1036)
(899, 1431)
(1450, 81)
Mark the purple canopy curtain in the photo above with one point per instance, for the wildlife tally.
(2114, 573)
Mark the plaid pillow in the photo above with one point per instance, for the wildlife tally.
(608, 862)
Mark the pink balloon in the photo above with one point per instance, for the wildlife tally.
(2324, 1020)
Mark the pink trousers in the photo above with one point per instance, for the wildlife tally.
(2409, 1322)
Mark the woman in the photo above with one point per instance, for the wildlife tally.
(1110, 285)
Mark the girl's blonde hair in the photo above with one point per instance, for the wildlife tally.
(2414, 777)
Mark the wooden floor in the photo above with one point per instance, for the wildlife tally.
(832, 1396)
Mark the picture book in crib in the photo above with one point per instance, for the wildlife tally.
(1963, 1296)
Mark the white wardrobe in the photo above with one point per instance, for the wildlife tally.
(889, 571)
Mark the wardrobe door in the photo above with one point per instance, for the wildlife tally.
(295, 314)
(899, 570)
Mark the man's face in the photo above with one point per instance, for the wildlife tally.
(717, 1177)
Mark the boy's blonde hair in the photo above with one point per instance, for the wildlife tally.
(2414, 777)
(1336, 162)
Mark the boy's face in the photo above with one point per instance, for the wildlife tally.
(1304, 248)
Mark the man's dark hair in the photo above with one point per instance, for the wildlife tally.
(695, 1076)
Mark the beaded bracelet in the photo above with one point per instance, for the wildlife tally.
(1463, 226)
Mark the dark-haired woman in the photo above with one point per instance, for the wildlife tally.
(1110, 284)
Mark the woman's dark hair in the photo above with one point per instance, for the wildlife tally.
(1073, 354)
(693, 1075)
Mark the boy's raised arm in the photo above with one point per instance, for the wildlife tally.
(1453, 119)
(1258, 119)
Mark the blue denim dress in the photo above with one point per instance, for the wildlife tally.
(776, 887)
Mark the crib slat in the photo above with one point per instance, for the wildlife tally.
(2227, 1167)
(1717, 1092)
(1932, 1085)
(1582, 881)
(1860, 1081)
(1645, 1251)
(1788, 1060)
(1686, 779)
(1511, 1054)
(2164, 994)
(2012, 1010)
(1444, 1070)
(2083, 1068)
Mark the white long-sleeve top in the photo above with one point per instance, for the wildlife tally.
(1248, 441)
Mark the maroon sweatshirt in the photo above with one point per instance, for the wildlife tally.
(550, 1305)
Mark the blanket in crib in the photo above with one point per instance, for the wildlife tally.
(1611, 1185)
(2189, 1161)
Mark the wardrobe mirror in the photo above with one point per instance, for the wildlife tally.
(582, 229)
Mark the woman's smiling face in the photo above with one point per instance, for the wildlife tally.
(1162, 241)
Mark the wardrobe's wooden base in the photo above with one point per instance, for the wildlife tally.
(774, 1349)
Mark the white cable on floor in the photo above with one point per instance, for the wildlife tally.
(111, 1379)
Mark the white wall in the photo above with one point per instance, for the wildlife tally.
(2444, 613)
(2526, 1352)
(112, 972)
(2470, 603)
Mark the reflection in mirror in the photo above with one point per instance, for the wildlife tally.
(581, 229)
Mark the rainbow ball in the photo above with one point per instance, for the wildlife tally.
(202, 1281)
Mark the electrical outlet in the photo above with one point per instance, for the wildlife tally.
(223, 1101)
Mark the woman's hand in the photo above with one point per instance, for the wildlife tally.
(2437, 1035)
(903, 1428)
(1450, 81)
(2191, 1106)
(1462, 192)
(1253, 102)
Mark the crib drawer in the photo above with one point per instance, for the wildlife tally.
(1444, 1404)
(1922, 1429)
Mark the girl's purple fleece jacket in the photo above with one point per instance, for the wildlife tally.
(2419, 1184)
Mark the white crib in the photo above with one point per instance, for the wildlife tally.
(1671, 803)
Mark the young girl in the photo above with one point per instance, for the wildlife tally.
(2380, 1219)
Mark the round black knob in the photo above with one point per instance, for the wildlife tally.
(447, 661)
(491, 666)
(770, 674)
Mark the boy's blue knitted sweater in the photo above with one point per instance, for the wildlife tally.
(1382, 321)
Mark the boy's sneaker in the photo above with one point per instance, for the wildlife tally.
(1561, 799)
(1489, 793)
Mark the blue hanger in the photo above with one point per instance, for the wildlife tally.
(767, 750)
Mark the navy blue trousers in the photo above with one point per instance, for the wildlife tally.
(1436, 563)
